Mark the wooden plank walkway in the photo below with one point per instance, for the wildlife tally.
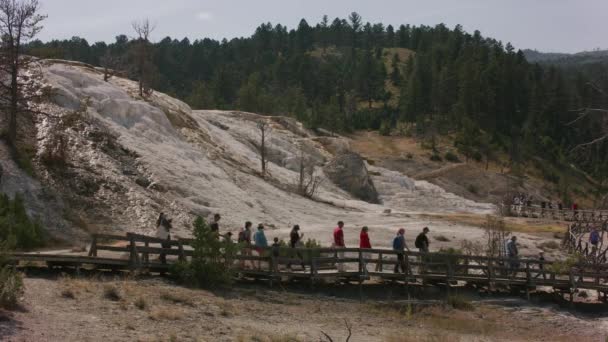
(534, 211)
(143, 253)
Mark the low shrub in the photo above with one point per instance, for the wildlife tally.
(141, 303)
(212, 260)
(548, 245)
(16, 228)
(442, 238)
(460, 303)
(451, 157)
(385, 128)
(112, 293)
(435, 157)
(564, 266)
(409, 155)
(11, 287)
(472, 188)
(477, 156)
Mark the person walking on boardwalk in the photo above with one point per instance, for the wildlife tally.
(364, 243)
(513, 255)
(276, 252)
(244, 239)
(163, 229)
(399, 246)
(260, 241)
(541, 266)
(594, 237)
(295, 241)
(339, 243)
(422, 241)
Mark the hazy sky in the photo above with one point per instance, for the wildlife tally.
(546, 25)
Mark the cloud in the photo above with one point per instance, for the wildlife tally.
(204, 16)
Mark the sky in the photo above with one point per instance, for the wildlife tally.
(544, 25)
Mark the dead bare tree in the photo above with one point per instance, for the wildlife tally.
(308, 182)
(265, 129)
(496, 233)
(143, 65)
(108, 63)
(349, 328)
(588, 113)
(19, 22)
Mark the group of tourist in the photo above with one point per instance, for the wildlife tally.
(257, 241)
(521, 201)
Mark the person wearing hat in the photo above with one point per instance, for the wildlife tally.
(422, 241)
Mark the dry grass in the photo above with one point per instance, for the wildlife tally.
(68, 293)
(265, 337)
(165, 313)
(548, 245)
(141, 303)
(512, 224)
(111, 292)
(177, 298)
(454, 321)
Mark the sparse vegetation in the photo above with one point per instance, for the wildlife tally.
(16, 227)
(441, 238)
(141, 303)
(68, 293)
(212, 262)
(451, 157)
(435, 157)
(472, 188)
(111, 292)
(546, 245)
(165, 313)
(460, 303)
(176, 298)
(11, 285)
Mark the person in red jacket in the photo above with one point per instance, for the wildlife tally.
(339, 243)
(364, 243)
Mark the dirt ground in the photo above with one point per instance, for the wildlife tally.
(96, 309)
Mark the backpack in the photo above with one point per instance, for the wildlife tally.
(595, 237)
(418, 242)
(396, 243)
(241, 237)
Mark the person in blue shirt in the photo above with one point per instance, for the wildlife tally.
(259, 239)
(399, 246)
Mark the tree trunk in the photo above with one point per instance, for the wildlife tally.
(12, 125)
(263, 152)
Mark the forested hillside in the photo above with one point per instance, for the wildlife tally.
(346, 74)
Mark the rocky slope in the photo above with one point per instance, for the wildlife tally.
(113, 161)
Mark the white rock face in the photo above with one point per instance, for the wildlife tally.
(167, 157)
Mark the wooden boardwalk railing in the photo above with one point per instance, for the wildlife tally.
(576, 240)
(534, 211)
(140, 252)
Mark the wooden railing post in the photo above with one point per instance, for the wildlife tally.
(133, 258)
(93, 249)
(182, 255)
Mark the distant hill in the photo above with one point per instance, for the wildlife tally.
(585, 57)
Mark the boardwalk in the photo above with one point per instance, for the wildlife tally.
(595, 216)
(134, 252)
